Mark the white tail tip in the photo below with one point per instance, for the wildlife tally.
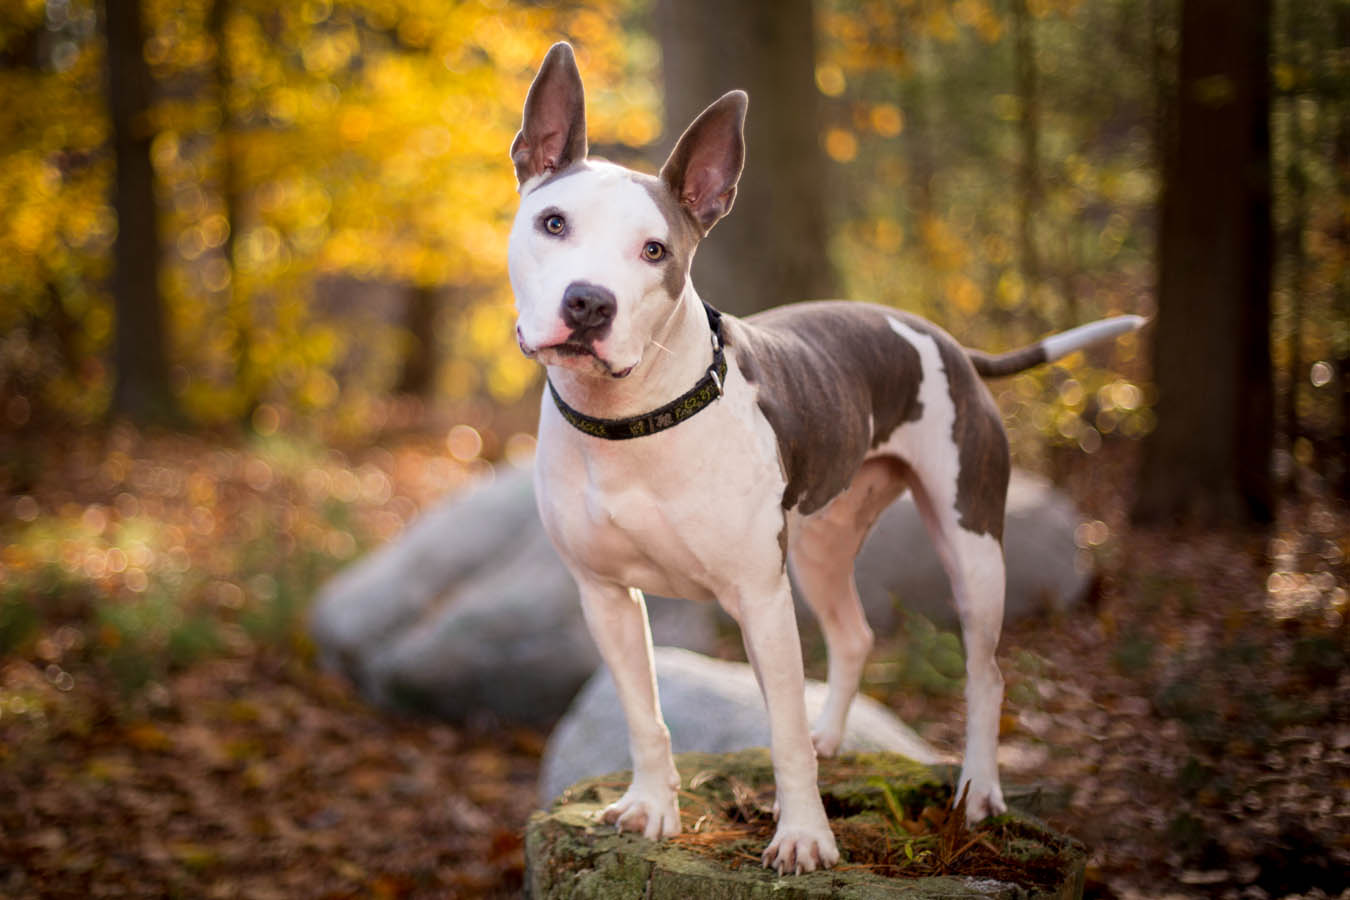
(1064, 343)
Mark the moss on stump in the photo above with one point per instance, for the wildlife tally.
(897, 830)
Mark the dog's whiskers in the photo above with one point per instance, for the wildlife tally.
(661, 345)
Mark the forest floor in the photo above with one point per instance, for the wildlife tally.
(164, 731)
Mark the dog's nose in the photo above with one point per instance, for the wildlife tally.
(588, 307)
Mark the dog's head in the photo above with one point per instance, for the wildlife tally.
(599, 254)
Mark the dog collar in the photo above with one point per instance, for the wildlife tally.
(697, 398)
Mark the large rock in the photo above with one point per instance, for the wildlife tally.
(725, 812)
(371, 603)
(470, 610)
(710, 705)
(898, 568)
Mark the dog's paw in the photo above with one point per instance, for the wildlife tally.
(799, 849)
(985, 799)
(654, 813)
(827, 741)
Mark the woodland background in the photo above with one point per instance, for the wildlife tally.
(254, 317)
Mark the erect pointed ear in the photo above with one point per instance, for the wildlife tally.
(706, 163)
(553, 132)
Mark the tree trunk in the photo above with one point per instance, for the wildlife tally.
(1208, 461)
(418, 376)
(238, 308)
(1341, 163)
(141, 382)
(918, 104)
(1294, 243)
(773, 248)
(1029, 140)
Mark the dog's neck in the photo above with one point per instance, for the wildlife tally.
(676, 356)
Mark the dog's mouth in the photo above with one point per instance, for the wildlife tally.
(572, 348)
(570, 354)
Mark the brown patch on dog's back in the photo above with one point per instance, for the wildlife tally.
(834, 380)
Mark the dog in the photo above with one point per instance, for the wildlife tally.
(693, 454)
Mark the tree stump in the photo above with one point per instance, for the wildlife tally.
(899, 835)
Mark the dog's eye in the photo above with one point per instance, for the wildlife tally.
(555, 224)
(654, 251)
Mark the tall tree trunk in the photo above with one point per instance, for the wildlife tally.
(418, 376)
(1341, 163)
(773, 248)
(1029, 139)
(917, 102)
(1296, 177)
(1162, 74)
(238, 309)
(1208, 460)
(140, 360)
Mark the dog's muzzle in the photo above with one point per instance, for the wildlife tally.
(588, 309)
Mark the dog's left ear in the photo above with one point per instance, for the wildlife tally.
(706, 163)
(552, 134)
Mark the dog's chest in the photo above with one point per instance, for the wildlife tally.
(672, 513)
(640, 539)
(629, 530)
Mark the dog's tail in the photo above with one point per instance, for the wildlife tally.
(1049, 349)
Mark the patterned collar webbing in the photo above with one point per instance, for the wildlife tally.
(700, 396)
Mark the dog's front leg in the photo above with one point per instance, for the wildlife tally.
(803, 841)
(617, 618)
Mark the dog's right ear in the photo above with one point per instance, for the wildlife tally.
(706, 164)
(553, 132)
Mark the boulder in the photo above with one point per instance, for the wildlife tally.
(372, 602)
(897, 836)
(710, 705)
(470, 612)
(898, 568)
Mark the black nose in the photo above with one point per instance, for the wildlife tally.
(588, 309)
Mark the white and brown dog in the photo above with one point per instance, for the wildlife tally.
(697, 455)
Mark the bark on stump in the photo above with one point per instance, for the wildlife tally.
(725, 805)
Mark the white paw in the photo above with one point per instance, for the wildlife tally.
(984, 800)
(799, 849)
(827, 741)
(654, 812)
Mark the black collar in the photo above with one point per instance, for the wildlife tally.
(700, 396)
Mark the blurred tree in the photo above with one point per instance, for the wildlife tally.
(417, 376)
(1311, 321)
(359, 148)
(1028, 208)
(991, 169)
(1209, 459)
(1293, 240)
(1340, 230)
(141, 388)
(774, 248)
(238, 312)
(323, 170)
(302, 160)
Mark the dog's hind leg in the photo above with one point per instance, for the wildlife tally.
(821, 553)
(974, 564)
(617, 619)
